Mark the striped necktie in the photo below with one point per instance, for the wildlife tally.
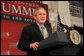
(44, 32)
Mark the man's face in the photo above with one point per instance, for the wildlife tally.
(40, 16)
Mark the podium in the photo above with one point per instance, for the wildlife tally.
(59, 44)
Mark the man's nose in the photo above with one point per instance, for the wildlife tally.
(42, 15)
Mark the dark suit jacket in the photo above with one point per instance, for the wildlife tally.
(31, 34)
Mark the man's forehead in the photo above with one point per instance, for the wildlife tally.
(41, 10)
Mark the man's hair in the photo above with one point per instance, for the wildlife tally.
(35, 12)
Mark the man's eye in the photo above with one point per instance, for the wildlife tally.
(44, 14)
(40, 14)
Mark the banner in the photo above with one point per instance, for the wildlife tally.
(14, 16)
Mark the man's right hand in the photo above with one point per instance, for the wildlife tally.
(34, 45)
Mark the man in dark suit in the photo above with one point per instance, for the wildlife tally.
(33, 34)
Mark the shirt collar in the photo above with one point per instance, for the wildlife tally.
(39, 25)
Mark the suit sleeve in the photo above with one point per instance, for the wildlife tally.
(25, 40)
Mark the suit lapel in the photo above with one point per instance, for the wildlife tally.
(48, 28)
(38, 30)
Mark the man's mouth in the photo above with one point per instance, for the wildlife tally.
(42, 19)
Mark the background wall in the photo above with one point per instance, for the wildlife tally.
(63, 8)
